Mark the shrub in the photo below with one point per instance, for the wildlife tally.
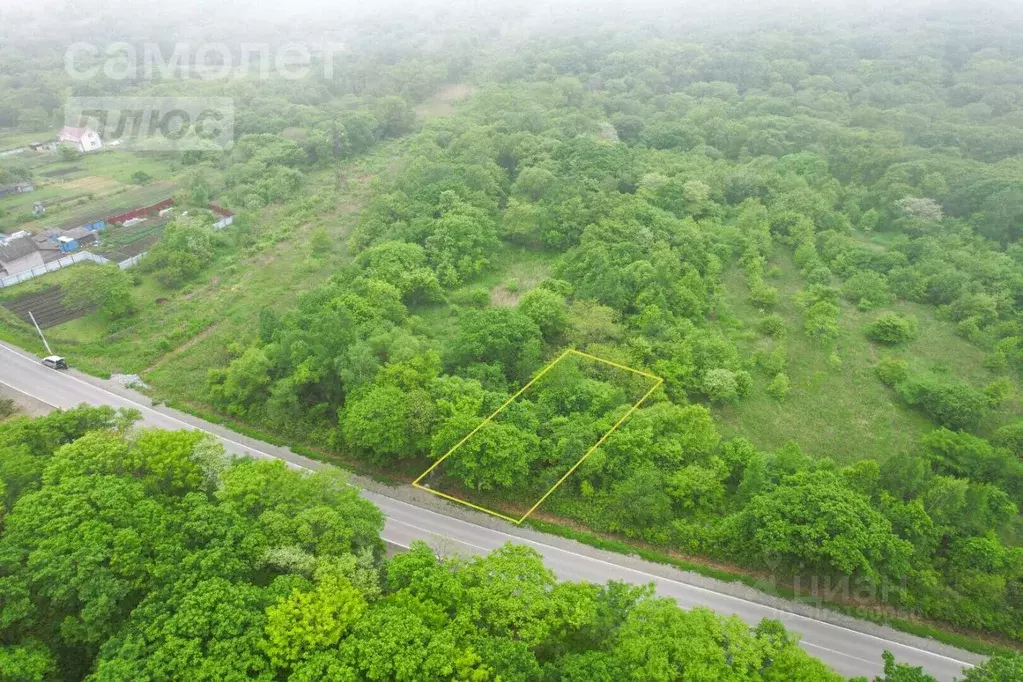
(772, 325)
(720, 385)
(892, 329)
(743, 382)
(7, 408)
(821, 321)
(67, 153)
(819, 275)
(558, 286)
(998, 391)
(950, 404)
(473, 297)
(867, 289)
(319, 242)
(763, 297)
(774, 361)
(780, 386)
(1010, 437)
(891, 371)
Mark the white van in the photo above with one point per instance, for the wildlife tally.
(55, 362)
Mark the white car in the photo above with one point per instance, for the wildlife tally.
(55, 362)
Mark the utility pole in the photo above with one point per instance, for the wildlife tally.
(339, 178)
(40, 332)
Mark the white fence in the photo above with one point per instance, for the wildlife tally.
(38, 270)
(81, 256)
(125, 264)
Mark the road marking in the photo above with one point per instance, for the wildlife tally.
(678, 582)
(435, 533)
(838, 653)
(652, 576)
(33, 397)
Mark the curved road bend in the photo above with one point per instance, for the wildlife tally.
(850, 649)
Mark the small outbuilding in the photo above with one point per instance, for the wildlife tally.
(18, 254)
(82, 235)
(16, 188)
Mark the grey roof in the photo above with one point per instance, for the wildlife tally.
(78, 233)
(14, 249)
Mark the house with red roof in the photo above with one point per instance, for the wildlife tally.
(83, 139)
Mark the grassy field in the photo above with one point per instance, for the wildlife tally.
(120, 165)
(444, 102)
(90, 187)
(273, 277)
(125, 198)
(513, 272)
(9, 140)
(842, 412)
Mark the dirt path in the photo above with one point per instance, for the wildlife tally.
(183, 347)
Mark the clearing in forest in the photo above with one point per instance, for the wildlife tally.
(577, 386)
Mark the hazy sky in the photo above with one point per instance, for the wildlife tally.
(67, 21)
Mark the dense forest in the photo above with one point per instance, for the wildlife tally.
(140, 554)
(644, 173)
(809, 227)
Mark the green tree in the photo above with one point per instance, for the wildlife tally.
(1010, 437)
(547, 310)
(245, 383)
(641, 502)
(390, 422)
(1001, 668)
(29, 662)
(813, 519)
(306, 623)
(107, 287)
(404, 266)
(184, 250)
(394, 116)
(821, 321)
(206, 630)
(497, 456)
(461, 242)
(720, 385)
(900, 672)
(497, 335)
(951, 404)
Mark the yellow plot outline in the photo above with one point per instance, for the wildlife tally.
(657, 382)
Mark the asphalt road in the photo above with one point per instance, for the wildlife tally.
(853, 648)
